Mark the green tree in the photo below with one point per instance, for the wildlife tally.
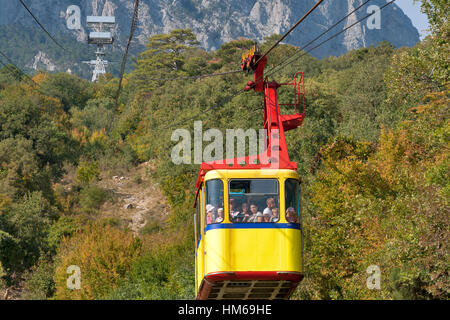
(28, 223)
(164, 57)
(69, 89)
(416, 71)
(35, 127)
(88, 172)
(437, 13)
(9, 75)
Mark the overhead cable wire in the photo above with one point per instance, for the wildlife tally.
(240, 70)
(258, 80)
(268, 51)
(334, 25)
(124, 60)
(17, 68)
(227, 100)
(14, 72)
(197, 77)
(290, 30)
(40, 25)
(315, 39)
(10, 70)
(17, 72)
(271, 71)
(287, 62)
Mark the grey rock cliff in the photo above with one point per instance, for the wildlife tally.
(219, 21)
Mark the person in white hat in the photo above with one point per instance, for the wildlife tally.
(209, 213)
(267, 213)
(259, 217)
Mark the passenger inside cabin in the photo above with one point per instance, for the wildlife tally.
(271, 203)
(219, 215)
(291, 215)
(267, 214)
(275, 215)
(252, 213)
(245, 214)
(245, 209)
(259, 217)
(234, 210)
(209, 214)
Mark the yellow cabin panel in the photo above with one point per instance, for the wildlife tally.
(253, 249)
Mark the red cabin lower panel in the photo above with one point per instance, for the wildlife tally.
(243, 285)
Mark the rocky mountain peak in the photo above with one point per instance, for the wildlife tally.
(219, 21)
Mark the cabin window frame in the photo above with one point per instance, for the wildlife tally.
(206, 202)
(277, 200)
(298, 202)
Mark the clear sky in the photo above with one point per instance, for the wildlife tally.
(412, 10)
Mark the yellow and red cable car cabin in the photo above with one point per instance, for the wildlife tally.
(248, 219)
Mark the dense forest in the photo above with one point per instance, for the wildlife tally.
(373, 154)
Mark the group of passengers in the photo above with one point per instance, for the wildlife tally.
(211, 216)
(249, 214)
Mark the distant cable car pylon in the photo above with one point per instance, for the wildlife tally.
(100, 37)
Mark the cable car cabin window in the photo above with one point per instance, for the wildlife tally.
(292, 203)
(214, 209)
(254, 201)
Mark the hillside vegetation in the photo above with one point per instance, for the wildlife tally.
(373, 154)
